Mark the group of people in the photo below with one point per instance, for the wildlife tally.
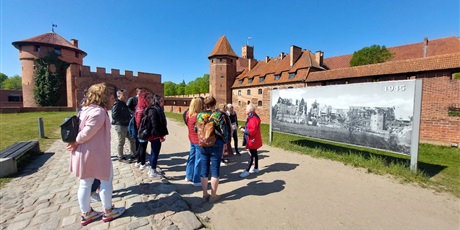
(91, 158)
(205, 160)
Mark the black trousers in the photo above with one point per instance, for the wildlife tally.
(253, 158)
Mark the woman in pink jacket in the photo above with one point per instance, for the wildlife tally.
(252, 139)
(90, 156)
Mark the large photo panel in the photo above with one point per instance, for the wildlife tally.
(376, 115)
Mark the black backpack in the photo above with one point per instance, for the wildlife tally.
(69, 129)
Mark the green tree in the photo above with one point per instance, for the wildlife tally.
(3, 77)
(170, 88)
(47, 91)
(370, 55)
(181, 88)
(12, 83)
(203, 84)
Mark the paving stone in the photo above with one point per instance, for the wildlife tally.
(138, 223)
(68, 220)
(24, 216)
(18, 225)
(186, 220)
(51, 209)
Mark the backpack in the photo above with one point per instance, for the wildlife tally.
(69, 129)
(226, 128)
(144, 127)
(205, 130)
(132, 130)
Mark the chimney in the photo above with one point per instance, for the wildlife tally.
(425, 46)
(295, 54)
(319, 57)
(267, 59)
(74, 42)
(249, 64)
(247, 52)
(281, 55)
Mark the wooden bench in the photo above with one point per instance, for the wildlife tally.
(10, 155)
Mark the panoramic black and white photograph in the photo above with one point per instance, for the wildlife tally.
(376, 115)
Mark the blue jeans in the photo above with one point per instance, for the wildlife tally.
(154, 153)
(193, 168)
(211, 158)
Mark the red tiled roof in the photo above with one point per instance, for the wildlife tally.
(48, 39)
(435, 47)
(277, 66)
(440, 62)
(222, 48)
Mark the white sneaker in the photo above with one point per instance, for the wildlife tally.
(254, 171)
(244, 174)
(141, 167)
(137, 164)
(151, 172)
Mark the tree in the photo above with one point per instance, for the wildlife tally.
(12, 83)
(47, 91)
(170, 88)
(3, 77)
(181, 88)
(370, 55)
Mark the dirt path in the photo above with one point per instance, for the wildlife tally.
(294, 191)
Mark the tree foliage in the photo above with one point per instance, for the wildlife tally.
(48, 84)
(197, 86)
(370, 55)
(3, 77)
(12, 83)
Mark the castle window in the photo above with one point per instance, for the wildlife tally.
(239, 92)
(221, 76)
(240, 82)
(250, 80)
(249, 92)
(260, 91)
(57, 51)
(291, 75)
(239, 103)
(76, 54)
(275, 88)
(15, 97)
(259, 103)
(37, 48)
(290, 87)
(261, 79)
(277, 77)
(220, 59)
(249, 102)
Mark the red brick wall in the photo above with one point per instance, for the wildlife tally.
(439, 92)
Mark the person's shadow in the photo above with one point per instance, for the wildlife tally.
(255, 188)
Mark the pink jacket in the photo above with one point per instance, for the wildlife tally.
(91, 159)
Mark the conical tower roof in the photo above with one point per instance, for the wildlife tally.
(222, 48)
(52, 39)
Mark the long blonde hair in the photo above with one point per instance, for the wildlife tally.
(97, 95)
(196, 106)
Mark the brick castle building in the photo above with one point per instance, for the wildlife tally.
(243, 80)
(78, 77)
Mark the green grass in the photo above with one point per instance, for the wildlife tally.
(438, 166)
(24, 127)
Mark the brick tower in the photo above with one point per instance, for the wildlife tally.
(38, 47)
(222, 62)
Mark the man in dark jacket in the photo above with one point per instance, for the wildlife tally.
(120, 119)
(132, 101)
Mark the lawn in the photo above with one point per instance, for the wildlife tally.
(438, 166)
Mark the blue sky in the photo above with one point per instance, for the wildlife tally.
(174, 38)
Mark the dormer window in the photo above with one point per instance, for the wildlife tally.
(240, 82)
(250, 80)
(261, 79)
(57, 51)
(37, 48)
(277, 77)
(291, 75)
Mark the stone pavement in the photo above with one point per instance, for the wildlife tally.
(44, 196)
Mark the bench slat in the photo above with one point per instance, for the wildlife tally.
(17, 149)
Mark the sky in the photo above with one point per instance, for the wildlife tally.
(174, 38)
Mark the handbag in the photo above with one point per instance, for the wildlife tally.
(69, 129)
